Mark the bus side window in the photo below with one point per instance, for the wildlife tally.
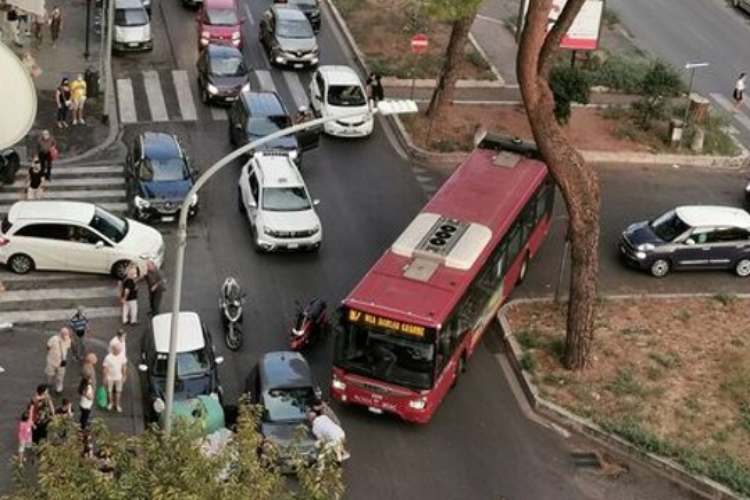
(447, 342)
(514, 242)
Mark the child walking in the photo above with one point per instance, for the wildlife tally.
(25, 427)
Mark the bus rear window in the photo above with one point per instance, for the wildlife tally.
(6, 225)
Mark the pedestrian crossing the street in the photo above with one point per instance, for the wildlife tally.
(172, 95)
(42, 297)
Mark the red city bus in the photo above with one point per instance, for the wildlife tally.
(415, 318)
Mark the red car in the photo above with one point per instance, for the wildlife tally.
(219, 22)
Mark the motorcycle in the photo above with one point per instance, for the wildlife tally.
(310, 322)
(231, 299)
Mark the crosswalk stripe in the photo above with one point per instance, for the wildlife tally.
(249, 14)
(155, 96)
(65, 170)
(264, 80)
(39, 316)
(110, 206)
(81, 181)
(296, 88)
(126, 101)
(57, 294)
(218, 113)
(729, 107)
(184, 95)
(88, 194)
(45, 276)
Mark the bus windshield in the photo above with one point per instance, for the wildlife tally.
(388, 357)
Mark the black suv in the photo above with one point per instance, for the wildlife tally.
(690, 237)
(197, 373)
(222, 74)
(288, 37)
(158, 176)
(257, 114)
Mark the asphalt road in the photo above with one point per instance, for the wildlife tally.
(479, 445)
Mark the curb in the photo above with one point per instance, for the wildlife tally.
(702, 485)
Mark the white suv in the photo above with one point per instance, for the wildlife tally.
(274, 197)
(335, 91)
(75, 236)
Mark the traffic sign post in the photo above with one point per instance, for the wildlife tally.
(419, 44)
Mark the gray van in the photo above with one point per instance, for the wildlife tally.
(132, 27)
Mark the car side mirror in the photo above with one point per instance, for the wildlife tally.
(316, 202)
(219, 360)
(99, 244)
(142, 368)
(690, 241)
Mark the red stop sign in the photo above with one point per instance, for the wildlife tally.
(419, 43)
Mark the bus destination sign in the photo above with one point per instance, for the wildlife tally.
(359, 317)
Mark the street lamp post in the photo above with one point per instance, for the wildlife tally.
(387, 107)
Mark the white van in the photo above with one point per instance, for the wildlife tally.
(75, 236)
(132, 27)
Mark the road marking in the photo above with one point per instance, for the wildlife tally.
(126, 101)
(729, 107)
(57, 293)
(155, 96)
(250, 19)
(38, 316)
(57, 195)
(296, 88)
(80, 181)
(264, 80)
(63, 170)
(44, 276)
(112, 207)
(184, 95)
(490, 19)
(218, 113)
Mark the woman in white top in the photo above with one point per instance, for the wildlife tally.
(86, 403)
(739, 90)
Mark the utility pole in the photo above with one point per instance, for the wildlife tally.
(108, 83)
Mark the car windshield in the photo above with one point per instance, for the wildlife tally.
(131, 17)
(387, 357)
(287, 404)
(669, 226)
(111, 226)
(286, 199)
(346, 95)
(189, 364)
(172, 169)
(305, 3)
(228, 66)
(266, 125)
(222, 17)
(294, 28)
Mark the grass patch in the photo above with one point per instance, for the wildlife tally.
(683, 315)
(668, 360)
(528, 363)
(556, 347)
(529, 339)
(634, 331)
(724, 299)
(626, 384)
(745, 415)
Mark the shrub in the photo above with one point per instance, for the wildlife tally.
(568, 85)
(660, 82)
(529, 339)
(528, 363)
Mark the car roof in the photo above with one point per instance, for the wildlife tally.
(128, 4)
(51, 210)
(289, 13)
(189, 332)
(284, 369)
(713, 216)
(263, 103)
(160, 146)
(222, 51)
(277, 169)
(339, 75)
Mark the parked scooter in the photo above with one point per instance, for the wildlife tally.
(9, 165)
(231, 299)
(310, 322)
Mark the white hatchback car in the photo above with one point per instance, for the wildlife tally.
(273, 195)
(75, 236)
(335, 91)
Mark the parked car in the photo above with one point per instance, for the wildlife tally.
(222, 74)
(159, 176)
(282, 384)
(690, 237)
(338, 90)
(274, 197)
(197, 371)
(75, 236)
(132, 27)
(220, 22)
(311, 8)
(258, 114)
(288, 37)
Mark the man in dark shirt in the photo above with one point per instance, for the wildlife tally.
(36, 182)
(155, 287)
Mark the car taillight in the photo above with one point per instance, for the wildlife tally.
(4, 241)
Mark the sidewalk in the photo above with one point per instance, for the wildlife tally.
(64, 60)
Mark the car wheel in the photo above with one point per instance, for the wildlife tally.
(21, 263)
(659, 268)
(120, 269)
(743, 268)
(240, 203)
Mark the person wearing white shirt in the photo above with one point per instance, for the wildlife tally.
(328, 434)
(119, 340)
(739, 90)
(114, 368)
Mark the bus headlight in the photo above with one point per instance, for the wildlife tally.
(338, 384)
(418, 404)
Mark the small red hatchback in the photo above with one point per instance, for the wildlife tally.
(219, 22)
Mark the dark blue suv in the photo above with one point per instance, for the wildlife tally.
(159, 177)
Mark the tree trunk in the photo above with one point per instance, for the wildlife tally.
(578, 183)
(442, 96)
